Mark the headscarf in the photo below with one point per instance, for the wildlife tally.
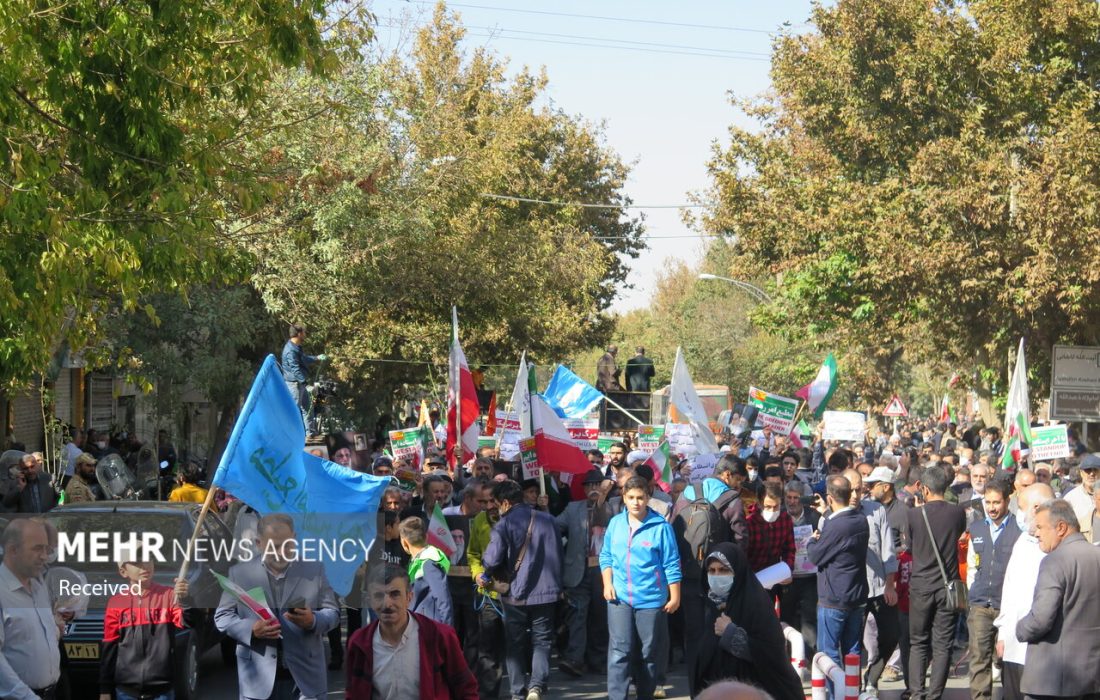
(750, 607)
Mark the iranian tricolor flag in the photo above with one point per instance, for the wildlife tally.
(253, 599)
(555, 447)
(817, 393)
(462, 400)
(945, 409)
(660, 461)
(439, 534)
(1017, 425)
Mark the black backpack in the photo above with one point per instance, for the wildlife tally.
(698, 527)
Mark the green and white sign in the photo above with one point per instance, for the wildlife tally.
(409, 444)
(649, 437)
(529, 458)
(776, 412)
(1051, 442)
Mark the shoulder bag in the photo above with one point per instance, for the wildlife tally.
(502, 587)
(957, 595)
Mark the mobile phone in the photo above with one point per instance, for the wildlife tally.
(296, 604)
(807, 500)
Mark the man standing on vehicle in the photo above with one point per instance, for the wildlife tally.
(295, 365)
(639, 370)
(30, 658)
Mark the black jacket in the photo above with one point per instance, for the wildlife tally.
(138, 637)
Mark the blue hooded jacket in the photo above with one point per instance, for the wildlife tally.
(642, 563)
(712, 489)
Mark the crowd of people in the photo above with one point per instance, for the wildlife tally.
(915, 550)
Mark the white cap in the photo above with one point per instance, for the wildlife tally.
(636, 456)
(880, 474)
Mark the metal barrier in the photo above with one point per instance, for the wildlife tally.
(845, 680)
(798, 649)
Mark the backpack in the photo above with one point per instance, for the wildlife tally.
(698, 527)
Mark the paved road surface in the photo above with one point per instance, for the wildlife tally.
(220, 683)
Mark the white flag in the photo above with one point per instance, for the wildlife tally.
(521, 398)
(682, 395)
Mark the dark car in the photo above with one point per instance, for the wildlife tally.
(175, 523)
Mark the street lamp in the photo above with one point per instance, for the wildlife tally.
(756, 292)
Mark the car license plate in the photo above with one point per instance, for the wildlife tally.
(76, 650)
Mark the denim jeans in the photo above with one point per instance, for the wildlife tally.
(838, 633)
(637, 637)
(121, 694)
(530, 632)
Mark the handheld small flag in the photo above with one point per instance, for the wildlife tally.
(1017, 425)
(253, 599)
(660, 461)
(439, 534)
(817, 393)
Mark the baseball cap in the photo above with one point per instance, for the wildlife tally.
(880, 474)
(1090, 462)
(383, 461)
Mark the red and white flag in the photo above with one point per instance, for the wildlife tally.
(554, 445)
(461, 400)
(439, 533)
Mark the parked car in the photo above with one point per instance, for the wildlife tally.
(175, 522)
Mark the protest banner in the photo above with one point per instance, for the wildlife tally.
(529, 458)
(409, 444)
(702, 466)
(802, 536)
(585, 432)
(846, 426)
(681, 439)
(649, 437)
(1051, 442)
(509, 430)
(775, 412)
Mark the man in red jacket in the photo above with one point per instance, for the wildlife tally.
(403, 655)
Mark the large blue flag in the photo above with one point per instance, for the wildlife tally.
(569, 395)
(265, 465)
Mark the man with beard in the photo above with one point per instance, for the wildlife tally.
(616, 460)
(79, 488)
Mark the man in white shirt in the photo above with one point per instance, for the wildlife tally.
(403, 655)
(1080, 497)
(1019, 590)
(30, 661)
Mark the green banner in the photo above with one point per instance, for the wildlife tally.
(776, 412)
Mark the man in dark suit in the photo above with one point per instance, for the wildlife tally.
(30, 490)
(1063, 627)
(284, 658)
(639, 370)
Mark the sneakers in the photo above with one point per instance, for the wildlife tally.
(659, 692)
(573, 669)
(891, 675)
(534, 694)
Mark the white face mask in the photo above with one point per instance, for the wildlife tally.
(770, 515)
(720, 583)
(1021, 521)
(752, 475)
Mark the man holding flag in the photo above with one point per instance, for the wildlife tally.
(280, 655)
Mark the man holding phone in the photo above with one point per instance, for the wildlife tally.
(281, 659)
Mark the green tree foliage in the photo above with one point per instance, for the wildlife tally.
(926, 181)
(123, 126)
(385, 225)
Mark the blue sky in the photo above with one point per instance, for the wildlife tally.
(662, 104)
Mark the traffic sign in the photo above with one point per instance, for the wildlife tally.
(895, 409)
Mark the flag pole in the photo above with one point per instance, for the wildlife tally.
(195, 534)
(628, 413)
(456, 377)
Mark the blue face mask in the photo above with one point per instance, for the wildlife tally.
(720, 584)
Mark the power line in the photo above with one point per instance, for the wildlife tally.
(585, 205)
(606, 18)
(623, 41)
(639, 49)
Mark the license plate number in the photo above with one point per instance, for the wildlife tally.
(76, 650)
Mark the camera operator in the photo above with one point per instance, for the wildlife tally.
(295, 365)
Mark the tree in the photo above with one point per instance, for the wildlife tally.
(121, 155)
(926, 182)
(385, 224)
